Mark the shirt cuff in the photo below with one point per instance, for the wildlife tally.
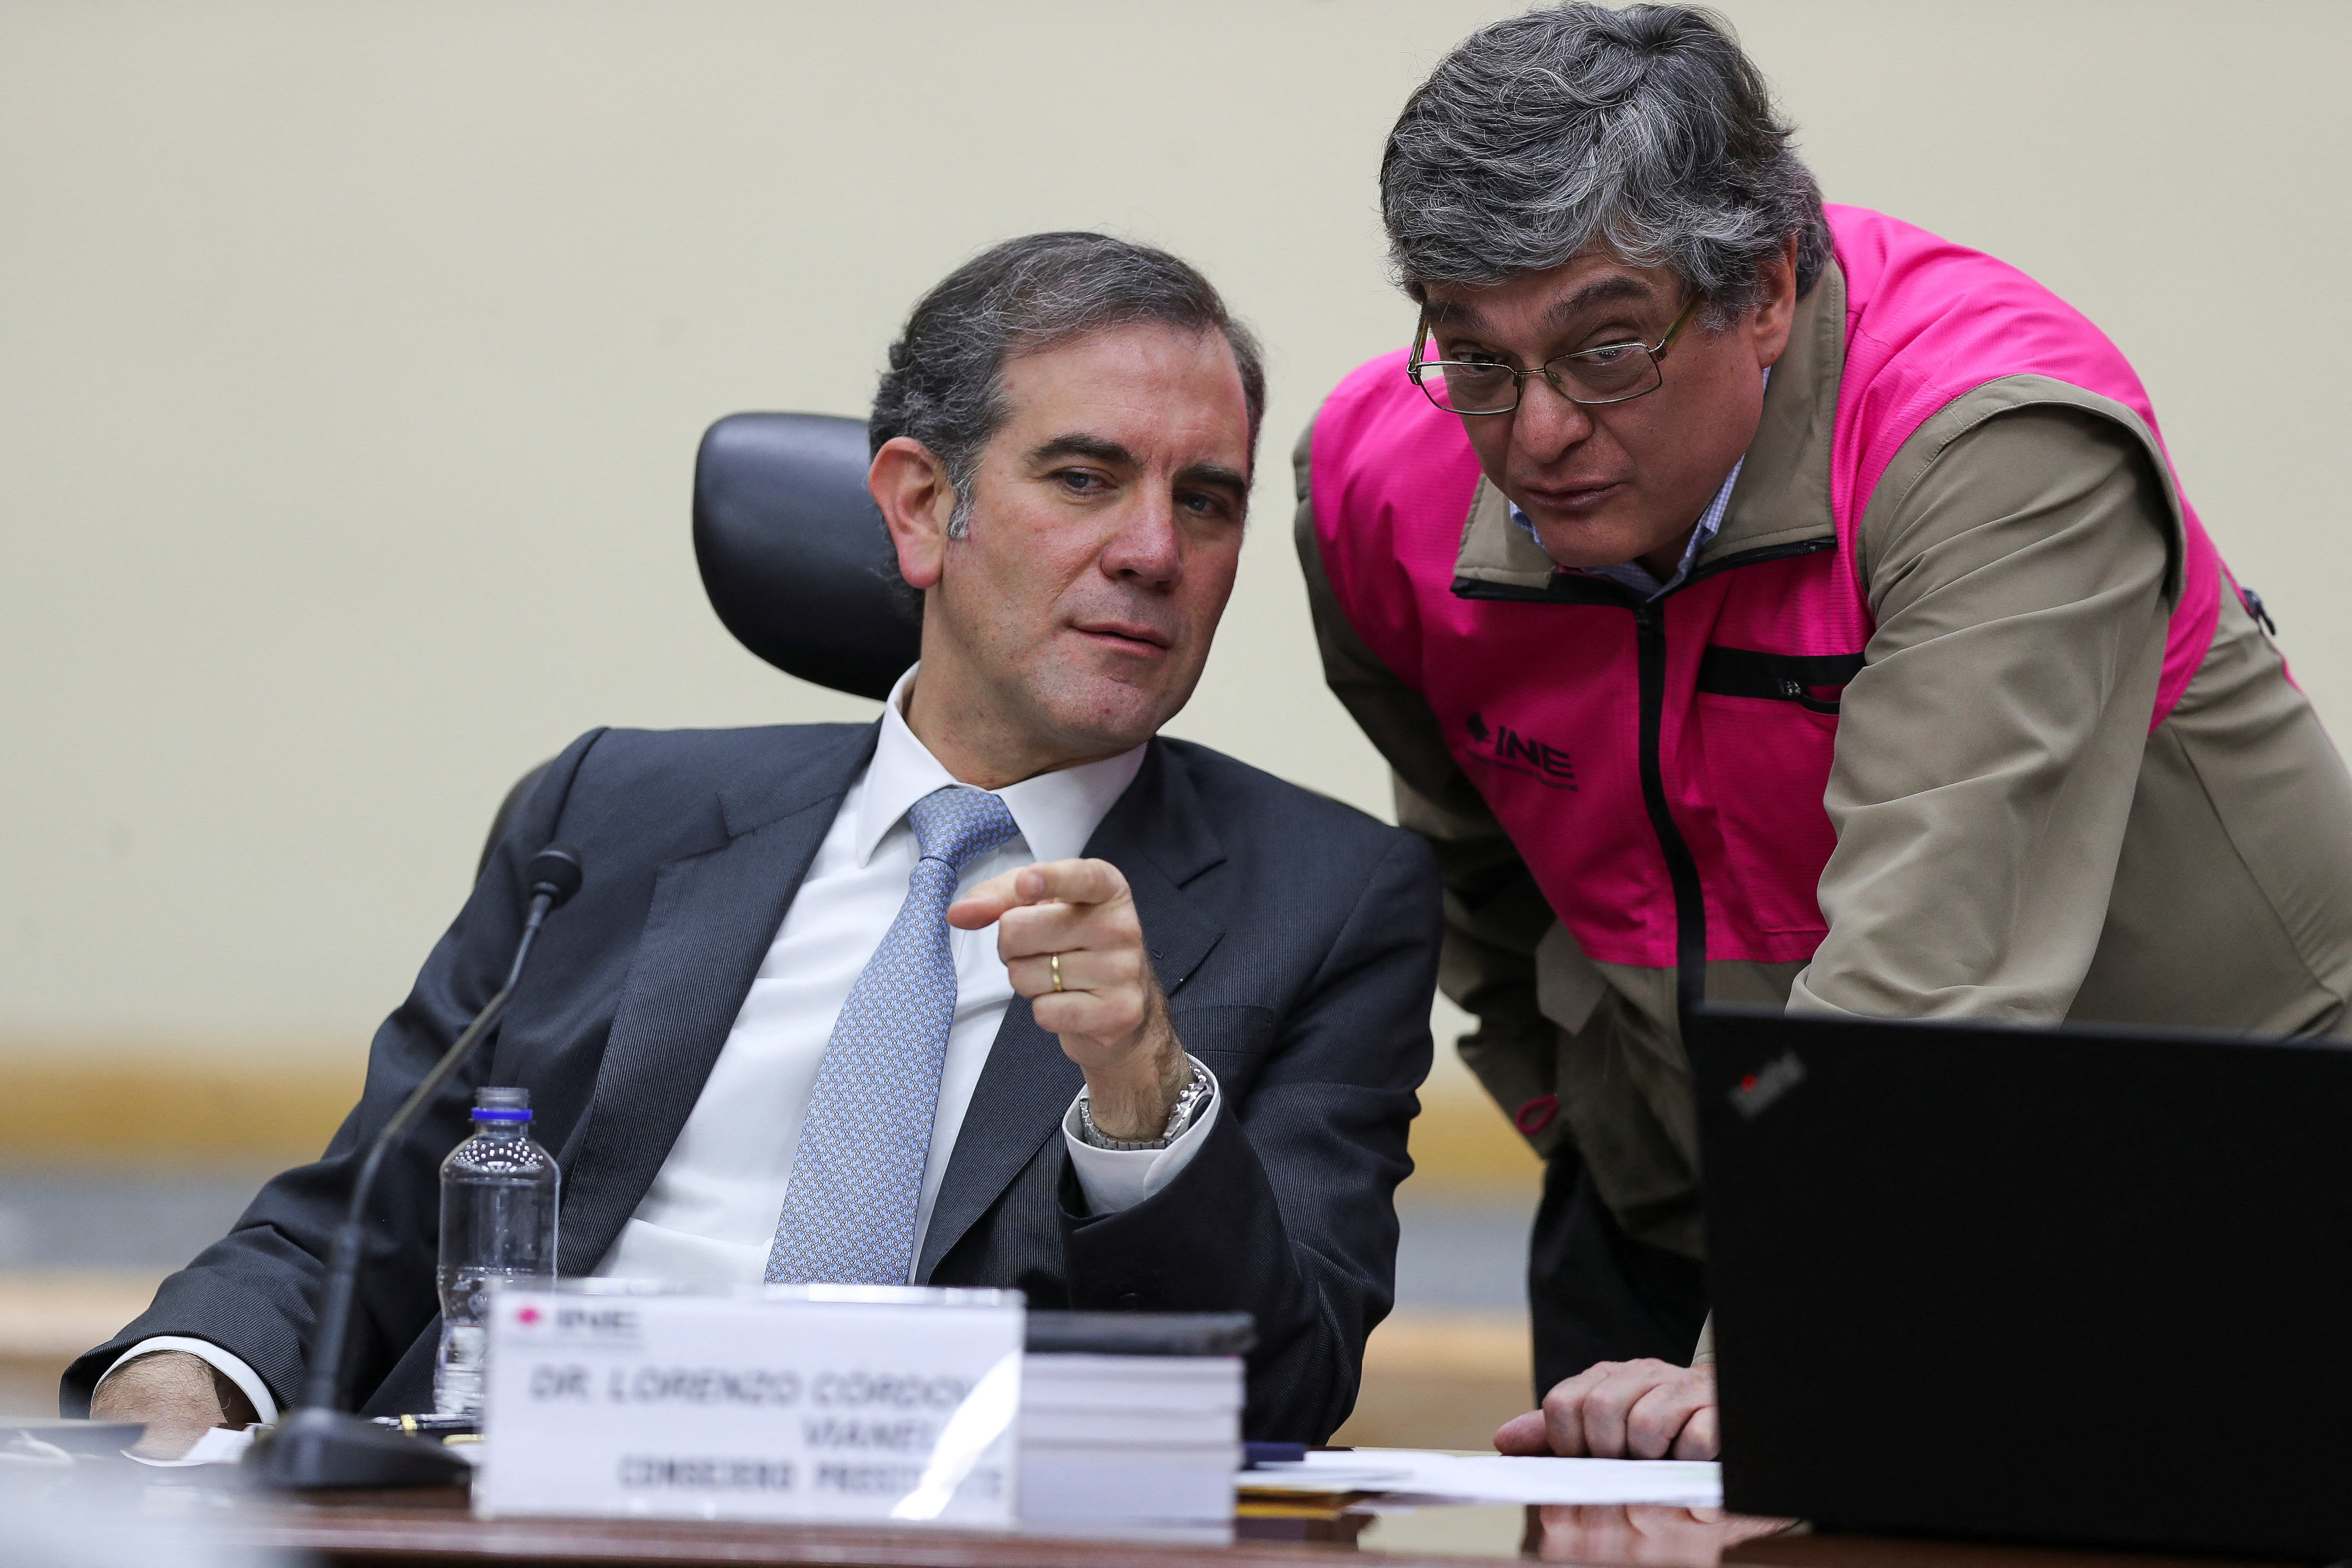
(248, 1382)
(1116, 1180)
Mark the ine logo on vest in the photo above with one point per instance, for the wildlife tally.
(1506, 748)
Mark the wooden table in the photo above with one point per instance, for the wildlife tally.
(401, 1530)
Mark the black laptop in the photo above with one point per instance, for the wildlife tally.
(2075, 1285)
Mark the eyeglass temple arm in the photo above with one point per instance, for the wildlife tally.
(1676, 330)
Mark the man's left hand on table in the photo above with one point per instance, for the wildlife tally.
(1622, 1410)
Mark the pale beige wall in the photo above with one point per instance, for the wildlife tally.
(354, 357)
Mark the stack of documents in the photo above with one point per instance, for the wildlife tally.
(1413, 1475)
(1140, 1447)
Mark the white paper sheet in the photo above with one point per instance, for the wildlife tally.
(1411, 1473)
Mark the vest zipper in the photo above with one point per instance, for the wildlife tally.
(1650, 645)
(1682, 869)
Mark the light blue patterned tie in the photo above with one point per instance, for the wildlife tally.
(857, 1175)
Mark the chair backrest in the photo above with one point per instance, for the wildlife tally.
(794, 559)
(792, 551)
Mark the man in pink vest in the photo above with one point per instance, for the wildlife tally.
(1772, 603)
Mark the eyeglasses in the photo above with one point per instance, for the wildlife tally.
(1613, 373)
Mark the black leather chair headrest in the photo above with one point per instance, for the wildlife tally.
(793, 552)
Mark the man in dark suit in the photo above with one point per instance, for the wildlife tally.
(1001, 989)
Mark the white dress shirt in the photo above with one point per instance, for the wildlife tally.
(710, 1218)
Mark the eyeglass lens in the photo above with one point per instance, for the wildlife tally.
(1602, 375)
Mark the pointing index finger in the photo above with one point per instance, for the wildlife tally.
(1056, 882)
(985, 904)
(1071, 882)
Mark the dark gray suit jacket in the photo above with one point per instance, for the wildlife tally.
(1296, 940)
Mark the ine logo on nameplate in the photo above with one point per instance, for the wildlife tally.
(831, 1402)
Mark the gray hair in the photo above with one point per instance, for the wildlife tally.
(945, 383)
(1647, 130)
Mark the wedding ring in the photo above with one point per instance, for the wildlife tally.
(1057, 972)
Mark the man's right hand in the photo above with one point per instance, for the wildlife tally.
(178, 1395)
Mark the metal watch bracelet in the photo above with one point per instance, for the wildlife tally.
(1188, 1101)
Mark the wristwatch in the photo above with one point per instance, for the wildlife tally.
(1190, 1100)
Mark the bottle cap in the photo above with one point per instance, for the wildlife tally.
(502, 1105)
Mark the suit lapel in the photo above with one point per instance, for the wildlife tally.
(712, 918)
(1160, 839)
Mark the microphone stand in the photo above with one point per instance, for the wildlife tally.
(320, 1443)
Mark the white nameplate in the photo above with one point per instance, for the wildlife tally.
(819, 1403)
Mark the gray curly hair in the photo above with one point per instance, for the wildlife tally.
(1646, 130)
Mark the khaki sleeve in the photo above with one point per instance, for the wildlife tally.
(1495, 914)
(2017, 564)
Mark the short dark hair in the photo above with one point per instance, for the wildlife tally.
(945, 383)
(1647, 128)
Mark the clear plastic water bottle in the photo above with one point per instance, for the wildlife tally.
(498, 1222)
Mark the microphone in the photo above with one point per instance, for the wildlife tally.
(320, 1443)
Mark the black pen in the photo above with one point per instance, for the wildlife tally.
(432, 1426)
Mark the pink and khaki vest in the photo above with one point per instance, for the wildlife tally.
(1661, 768)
